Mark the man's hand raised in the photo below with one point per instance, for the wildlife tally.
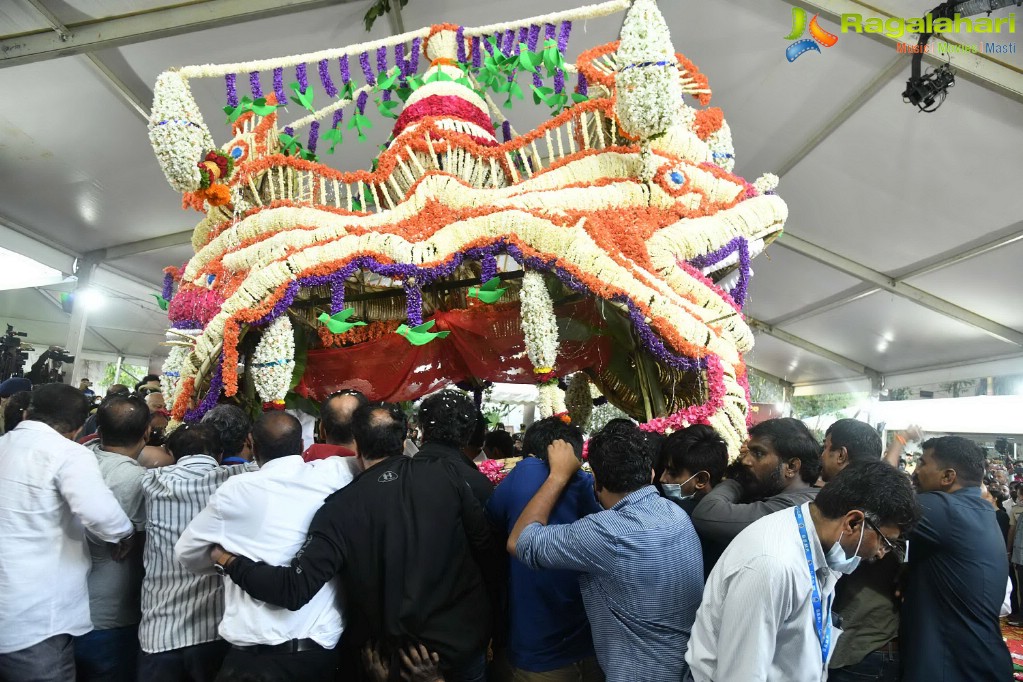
(562, 460)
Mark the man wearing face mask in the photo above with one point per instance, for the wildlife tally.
(766, 611)
(777, 470)
(692, 461)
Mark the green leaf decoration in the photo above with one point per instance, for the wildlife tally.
(347, 92)
(262, 108)
(309, 155)
(387, 82)
(334, 137)
(304, 97)
(403, 93)
(515, 89)
(386, 108)
(579, 98)
(541, 94)
(421, 335)
(489, 292)
(415, 82)
(290, 144)
(338, 322)
(161, 301)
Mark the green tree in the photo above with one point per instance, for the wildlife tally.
(764, 390)
(805, 406)
(958, 388)
(130, 374)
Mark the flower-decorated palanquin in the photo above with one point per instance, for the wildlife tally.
(612, 239)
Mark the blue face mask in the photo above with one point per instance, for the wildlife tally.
(673, 491)
(837, 559)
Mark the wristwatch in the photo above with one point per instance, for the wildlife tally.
(221, 568)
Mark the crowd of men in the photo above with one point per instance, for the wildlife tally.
(248, 556)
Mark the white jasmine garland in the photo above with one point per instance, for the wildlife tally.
(177, 132)
(170, 377)
(539, 325)
(647, 84)
(767, 182)
(551, 399)
(273, 362)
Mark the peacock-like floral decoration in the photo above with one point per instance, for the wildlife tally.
(612, 241)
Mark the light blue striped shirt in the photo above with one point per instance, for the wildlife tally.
(641, 582)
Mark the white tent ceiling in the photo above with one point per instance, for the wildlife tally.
(901, 254)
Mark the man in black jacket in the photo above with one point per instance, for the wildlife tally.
(402, 538)
(448, 419)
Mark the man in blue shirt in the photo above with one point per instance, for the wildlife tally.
(640, 558)
(957, 572)
(548, 629)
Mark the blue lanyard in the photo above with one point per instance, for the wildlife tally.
(823, 626)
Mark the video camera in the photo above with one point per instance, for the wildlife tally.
(12, 354)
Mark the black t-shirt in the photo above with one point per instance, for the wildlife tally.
(402, 537)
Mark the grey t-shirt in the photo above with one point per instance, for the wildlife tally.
(115, 587)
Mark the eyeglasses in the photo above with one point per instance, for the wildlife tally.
(896, 547)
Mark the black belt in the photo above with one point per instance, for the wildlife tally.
(290, 647)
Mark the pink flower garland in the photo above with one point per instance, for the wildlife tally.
(696, 414)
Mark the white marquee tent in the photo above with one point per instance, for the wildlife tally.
(901, 254)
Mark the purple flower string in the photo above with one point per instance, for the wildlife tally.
(582, 86)
(254, 86)
(232, 92)
(168, 286)
(460, 40)
(509, 42)
(523, 37)
(288, 130)
(303, 77)
(400, 62)
(381, 59)
(417, 48)
(282, 97)
(506, 130)
(328, 84)
(314, 136)
(477, 56)
(366, 70)
(386, 95)
(337, 292)
(488, 268)
(741, 287)
(211, 397)
(414, 304)
(339, 116)
(559, 81)
(563, 35)
(488, 45)
(548, 32)
(361, 102)
(718, 255)
(342, 62)
(534, 37)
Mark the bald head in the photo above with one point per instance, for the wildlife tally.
(276, 434)
(155, 402)
(336, 418)
(379, 431)
(123, 423)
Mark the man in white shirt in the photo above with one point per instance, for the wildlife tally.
(181, 610)
(265, 515)
(51, 492)
(110, 651)
(766, 609)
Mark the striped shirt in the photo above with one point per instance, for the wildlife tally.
(179, 608)
(641, 582)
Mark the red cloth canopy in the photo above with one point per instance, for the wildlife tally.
(486, 342)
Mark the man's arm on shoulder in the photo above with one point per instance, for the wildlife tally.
(320, 559)
(192, 550)
(720, 516)
(80, 484)
(579, 546)
(757, 600)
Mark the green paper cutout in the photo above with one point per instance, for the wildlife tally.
(161, 301)
(304, 97)
(489, 292)
(421, 335)
(338, 322)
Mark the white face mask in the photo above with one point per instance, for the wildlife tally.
(837, 559)
(674, 490)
